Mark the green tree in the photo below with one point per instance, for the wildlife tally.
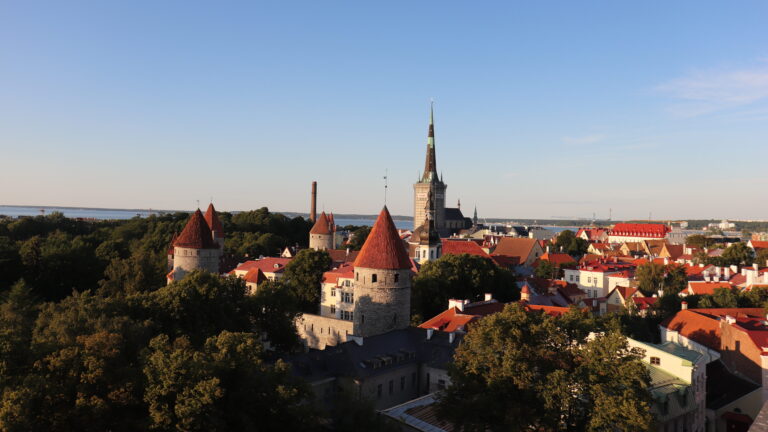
(517, 371)
(18, 311)
(650, 277)
(459, 277)
(358, 237)
(720, 298)
(761, 257)
(698, 240)
(567, 242)
(303, 276)
(546, 270)
(737, 254)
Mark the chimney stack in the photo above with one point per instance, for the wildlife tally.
(684, 305)
(313, 204)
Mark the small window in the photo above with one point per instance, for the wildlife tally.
(333, 292)
(413, 379)
(378, 391)
(357, 276)
(391, 386)
(441, 384)
(351, 316)
(373, 278)
(402, 383)
(333, 309)
(397, 277)
(655, 361)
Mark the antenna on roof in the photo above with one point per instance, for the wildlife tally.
(198, 203)
(385, 186)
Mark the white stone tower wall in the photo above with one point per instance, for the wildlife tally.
(383, 305)
(321, 241)
(186, 260)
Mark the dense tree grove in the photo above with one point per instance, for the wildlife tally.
(519, 371)
(187, 356)
(56, 255)
(567, 242)
(458, 277)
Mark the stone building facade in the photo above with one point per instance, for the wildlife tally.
(370, 297)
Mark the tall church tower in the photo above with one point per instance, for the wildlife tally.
(382, 285)
(429, 181)
(430, 246)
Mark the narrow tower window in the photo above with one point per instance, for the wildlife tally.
(397, 277)
(373, 278)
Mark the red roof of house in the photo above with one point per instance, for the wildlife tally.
(322, 225)
(644, 303)
(383, 248)
(346, 271)
(515, 247)
(703, 325)
(639, 230)
(703, 288)
(694, 270)
(196, 234)
(342, 256)
(757, 244)
(266, 265)
(255, 276)
(458, 247)
(625, 292)
(449, 320)
(549, 310)
(505, 261)
(213, 220)
(557, 258)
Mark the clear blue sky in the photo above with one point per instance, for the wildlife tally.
(542, 108)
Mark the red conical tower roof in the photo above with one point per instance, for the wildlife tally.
(196, 234)
(321, 225)
(383, 248)
(213, 220)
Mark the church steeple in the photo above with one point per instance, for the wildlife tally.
(430, 165)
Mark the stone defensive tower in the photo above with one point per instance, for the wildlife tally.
(429, 181)
(321, 236)
(382, 285)
(195, 249)
(217, 230)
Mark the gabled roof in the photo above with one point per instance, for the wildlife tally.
(757, 244)
(255, 276)
(342, 255)
(557, 258)
(624, 292)
(449, 320)
(706, 288)
(515, 247)
(196, 234)
(213, 220)
(383, 248)
(644, 303)
(703, 325)
(322, 225)
(266, 265)
(346, 271)
(458, 247)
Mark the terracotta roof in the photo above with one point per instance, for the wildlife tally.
(196, 234)
(342, 256)
(549, 310)
(625, 292)
(757, 244)
(525, 289)
(213, 220)
(557, 258)
(704, 288)
(505, 261)
(644, 303)
(333, 276)
(639, 230)
(322, 225)
(255, 276)
(266, 265)
(449, 320)
(703, 325)
(458, 247)
(383, 248)
(515, 247)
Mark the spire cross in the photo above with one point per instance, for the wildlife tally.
(385, 186)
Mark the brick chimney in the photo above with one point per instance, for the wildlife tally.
(313, 203)
(683, 305)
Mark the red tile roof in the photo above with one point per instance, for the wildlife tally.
(703, 325)
(383, 248)
(255, 276)
(346, 272)
(639, 230)
(555, 311)
(515, 247)
(644, 303)
(757, 244)
(322, 225)
(505, 261)
(213, 220)
(342, 256)
(625, 292)
(449, 320)
(458, 247)
(196, 234)
(266, 265)
(706, 288)
(557, 258)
